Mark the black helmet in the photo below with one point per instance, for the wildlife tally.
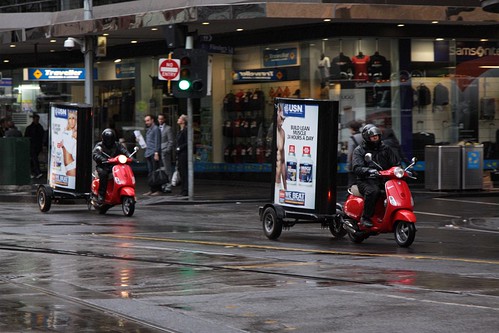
(108, 137)
(368, 131)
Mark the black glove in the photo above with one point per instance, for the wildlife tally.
(373, 173)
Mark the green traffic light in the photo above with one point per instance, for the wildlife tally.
(184, 84)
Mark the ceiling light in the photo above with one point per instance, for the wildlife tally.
(327, 20)
(489, 67)
(154, 29)
(484, 40)
(400, 25)
(52, 51)
(105, 34)
(12, 45)
(439, 39)
(324, 39)
(239, 29)
(205, 23)
(117, 60)
(133, 42)
(53, 40)
(6, 60)
(434, 22)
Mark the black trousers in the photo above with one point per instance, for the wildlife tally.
(103, 173)
(183, 169)
(370, 190)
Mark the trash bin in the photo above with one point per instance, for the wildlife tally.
(443, 167)
(472, 167)
(14, 164)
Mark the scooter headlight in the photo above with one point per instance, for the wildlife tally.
(122, 159)
(399, 172)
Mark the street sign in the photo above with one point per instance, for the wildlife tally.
(169, 69)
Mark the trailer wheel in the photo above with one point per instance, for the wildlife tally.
(43, 199)
(272, 225)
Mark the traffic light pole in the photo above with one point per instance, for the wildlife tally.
(190, 134)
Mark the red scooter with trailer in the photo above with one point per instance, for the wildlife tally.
(307, 192)
(69, 165)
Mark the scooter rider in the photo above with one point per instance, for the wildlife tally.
(109, 148)
(368, 182)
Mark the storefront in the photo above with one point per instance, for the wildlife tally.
(428, 91)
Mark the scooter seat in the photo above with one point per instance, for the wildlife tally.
(354, 190)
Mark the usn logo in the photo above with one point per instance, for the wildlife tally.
(294, 110)
(60, 113)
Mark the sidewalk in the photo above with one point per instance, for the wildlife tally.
(217, 191)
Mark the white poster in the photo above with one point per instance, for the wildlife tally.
(296, 154)
(63, 136)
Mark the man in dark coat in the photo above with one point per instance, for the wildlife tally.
(35, 133)
(368, 182)
(103, 150)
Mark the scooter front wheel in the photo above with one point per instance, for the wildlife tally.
(404, 232)
(128, 206)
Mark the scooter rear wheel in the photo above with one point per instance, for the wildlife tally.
(356, 238)
(128, 206)
(404, 232)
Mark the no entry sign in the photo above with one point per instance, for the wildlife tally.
(169, 69)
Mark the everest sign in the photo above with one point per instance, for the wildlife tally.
(169, 69)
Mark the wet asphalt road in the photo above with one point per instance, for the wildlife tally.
(209, 268)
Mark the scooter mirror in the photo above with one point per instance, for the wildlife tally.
(136, 149)
(414, 160)
(368, 157)
(99, 149)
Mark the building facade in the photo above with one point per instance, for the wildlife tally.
(429, 72)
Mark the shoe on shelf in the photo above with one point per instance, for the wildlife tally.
(366, 222)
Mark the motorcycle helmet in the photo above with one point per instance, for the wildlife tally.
(367, 132)
(108, 138)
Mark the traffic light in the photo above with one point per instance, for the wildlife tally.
(193, 81)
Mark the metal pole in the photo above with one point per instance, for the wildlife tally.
(89, 70)
(89, 55)
(190, 150)
(88, 7)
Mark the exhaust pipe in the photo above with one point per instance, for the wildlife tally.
(347, 225)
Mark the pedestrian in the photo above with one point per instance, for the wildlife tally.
(354, 140)
(182, 154)
(390, 140)
(167, 143)
(367, 172)
(153, 150)
(3, 127)
(11, 129)
(35, 133)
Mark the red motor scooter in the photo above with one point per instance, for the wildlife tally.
(393, 213)
(120, 186)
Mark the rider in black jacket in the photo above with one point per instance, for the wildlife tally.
(368, 182)
(112, 148)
